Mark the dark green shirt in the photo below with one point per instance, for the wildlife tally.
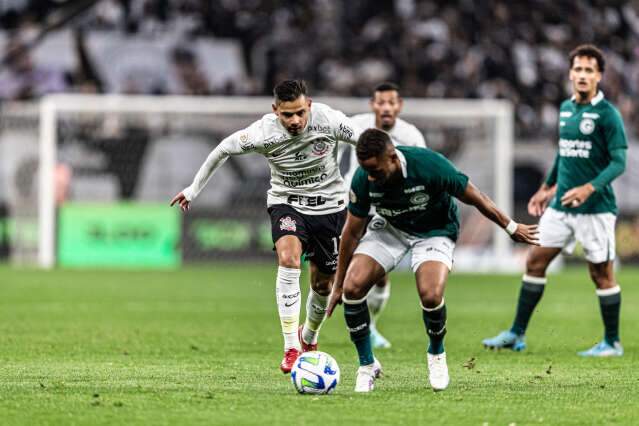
(422, 204)
(592, 142)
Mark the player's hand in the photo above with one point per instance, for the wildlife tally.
(336, 299)
(577, 196)
(539, 201)
(528, 234)
(182, 201)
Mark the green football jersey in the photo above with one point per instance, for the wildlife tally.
(588, 133)
(422, 204)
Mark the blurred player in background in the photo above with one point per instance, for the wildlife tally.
(386, 104)
(306, 201)
(581, 203)
(412, 190)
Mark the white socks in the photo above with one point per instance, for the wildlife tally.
(287, 292)
(315, 314)
(376, 300)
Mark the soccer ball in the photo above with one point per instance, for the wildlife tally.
(315, 372)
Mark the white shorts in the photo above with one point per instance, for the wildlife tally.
(387, 245)
(595, 233)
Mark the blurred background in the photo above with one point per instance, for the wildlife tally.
(115, 166)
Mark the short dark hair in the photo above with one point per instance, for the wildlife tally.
(386, 86)
(289, 90)
(372, 143)
(589, 51)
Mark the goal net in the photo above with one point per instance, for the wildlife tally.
(108, 165)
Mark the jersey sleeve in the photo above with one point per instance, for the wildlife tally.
(614, 131)
(344, 128)
(551, 177)
(441, 174)
(417, 137)
(359, 201)
(240, 142)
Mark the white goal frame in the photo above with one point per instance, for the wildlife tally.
(52, 105)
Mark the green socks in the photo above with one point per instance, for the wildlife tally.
(532, 288)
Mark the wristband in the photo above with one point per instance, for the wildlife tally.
(511, 227)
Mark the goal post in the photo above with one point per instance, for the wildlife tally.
(477, 135)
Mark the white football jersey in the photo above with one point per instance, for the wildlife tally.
(402, 133)
(304, 169)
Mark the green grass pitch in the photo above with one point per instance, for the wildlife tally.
(202, 346)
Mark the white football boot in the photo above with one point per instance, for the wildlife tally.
(366, 375)
(438, 371)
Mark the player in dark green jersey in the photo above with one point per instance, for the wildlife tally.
(577, 204)
(412, 190)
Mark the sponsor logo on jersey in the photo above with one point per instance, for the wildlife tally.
(587, 126)
(420, 198)
(565, 114)
(304, 200)
(292, 182)
(273, 140)
(319, 128)
(346, 131)
(592, 115)
(574, 148)
(245, 143)
(300, 156)
(287, 223)
(414, 189)
(320, 147)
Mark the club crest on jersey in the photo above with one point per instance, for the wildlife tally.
(377, 223)
(288, 224)
(419, 198)
(320, 147)
(587, 126)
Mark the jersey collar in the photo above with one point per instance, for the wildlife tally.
(402, 161)
(594, 101)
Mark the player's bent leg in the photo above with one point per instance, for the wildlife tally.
(431, 279)
(532, 288)
(609, 294)
(377, 299)
(316, 304)
(287, 290)
(362, 273)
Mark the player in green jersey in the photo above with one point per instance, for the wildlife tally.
(577, 203)
(412, 190)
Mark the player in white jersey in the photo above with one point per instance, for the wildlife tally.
(386, 104)
(306, 201)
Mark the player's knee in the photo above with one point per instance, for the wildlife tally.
(289, 259)
(322, 286)
(353, 292)
(536, 266)
(601, 278)
(431, 299)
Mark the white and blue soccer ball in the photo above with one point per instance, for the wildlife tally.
(315, 373)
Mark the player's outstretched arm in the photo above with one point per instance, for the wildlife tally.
(351, 234)
(238, 143)
(518, 231)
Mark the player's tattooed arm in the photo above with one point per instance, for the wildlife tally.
(351, 234)
(518, 231)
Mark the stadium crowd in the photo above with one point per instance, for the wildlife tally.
(438, 48)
